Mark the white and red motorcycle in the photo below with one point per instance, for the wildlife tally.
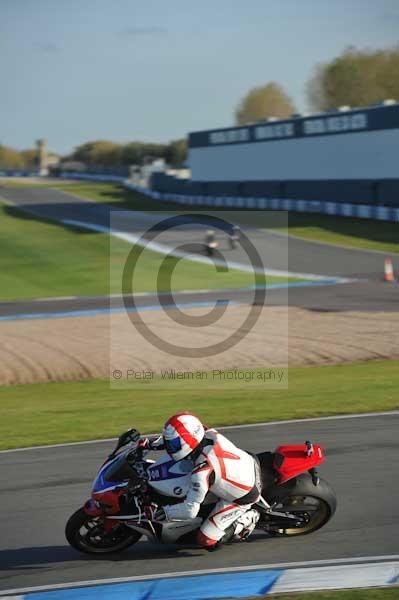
(295, 501)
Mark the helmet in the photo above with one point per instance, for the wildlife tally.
(182, 434)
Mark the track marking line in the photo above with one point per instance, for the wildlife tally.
(332, 245)
(223, 428)
(283, 565)
(329, 281)
(132, 238)
(92, 312)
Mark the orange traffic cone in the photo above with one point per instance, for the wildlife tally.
(388, 270)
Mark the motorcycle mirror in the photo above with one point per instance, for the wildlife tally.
(130, 436)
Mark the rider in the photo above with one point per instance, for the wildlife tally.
(219, 467)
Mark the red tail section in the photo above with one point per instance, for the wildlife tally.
(290, 461)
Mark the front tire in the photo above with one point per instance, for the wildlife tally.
(87, 534)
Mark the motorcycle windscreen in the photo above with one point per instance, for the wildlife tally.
(115, 472)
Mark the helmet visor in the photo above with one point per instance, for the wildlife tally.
(173, 446)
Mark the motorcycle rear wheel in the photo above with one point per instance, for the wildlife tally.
(314, 511)
(87, 534)
(315, 504)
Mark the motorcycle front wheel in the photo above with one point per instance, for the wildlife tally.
(88, 534)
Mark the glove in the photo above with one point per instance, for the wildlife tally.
(157, 443)
(144, 444)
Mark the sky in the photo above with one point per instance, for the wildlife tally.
(78, 70)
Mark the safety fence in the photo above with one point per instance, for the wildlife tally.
(358, 211)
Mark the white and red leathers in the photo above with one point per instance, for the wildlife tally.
(231, 475)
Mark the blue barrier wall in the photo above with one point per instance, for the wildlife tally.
(356, 191)
(13, 173)
(344, 209)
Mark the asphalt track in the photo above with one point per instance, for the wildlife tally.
(277, 251)
(363, 295)
(42, 487)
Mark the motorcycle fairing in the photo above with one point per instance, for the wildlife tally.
(112, 474)
(167, 532)
(170, 478)
(291, 461)
(110, 485)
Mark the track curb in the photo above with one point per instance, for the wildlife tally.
(236, 582)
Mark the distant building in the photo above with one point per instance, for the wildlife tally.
(349, 155)
(46, 158)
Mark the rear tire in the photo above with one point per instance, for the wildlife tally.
(315, 503)
(87, 534)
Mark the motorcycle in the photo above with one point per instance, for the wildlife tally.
(234, 237)
(294, 501)
(211, 244)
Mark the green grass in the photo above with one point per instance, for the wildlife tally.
(117, 195)
(39, 258)
(23, 183)
(46, 413)
(357, 233)
(391, 593)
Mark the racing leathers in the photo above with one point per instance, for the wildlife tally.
(233, 477)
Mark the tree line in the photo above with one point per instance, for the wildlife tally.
(356, 78)
(102, 153)
(24, 160)
(106, 153)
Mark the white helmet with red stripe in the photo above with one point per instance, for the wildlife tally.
(182, 434)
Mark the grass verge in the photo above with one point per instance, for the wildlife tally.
(115, 194)
(357, 233)
(39, 258)
(74, 411)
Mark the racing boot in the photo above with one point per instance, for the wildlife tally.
(240, 530)
(245, 524)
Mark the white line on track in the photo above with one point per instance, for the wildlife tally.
(331, 244)
(96, 582)
(224, 428)
(132, 238)
(154, 294)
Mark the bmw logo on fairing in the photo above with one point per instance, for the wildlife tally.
(177, 490)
